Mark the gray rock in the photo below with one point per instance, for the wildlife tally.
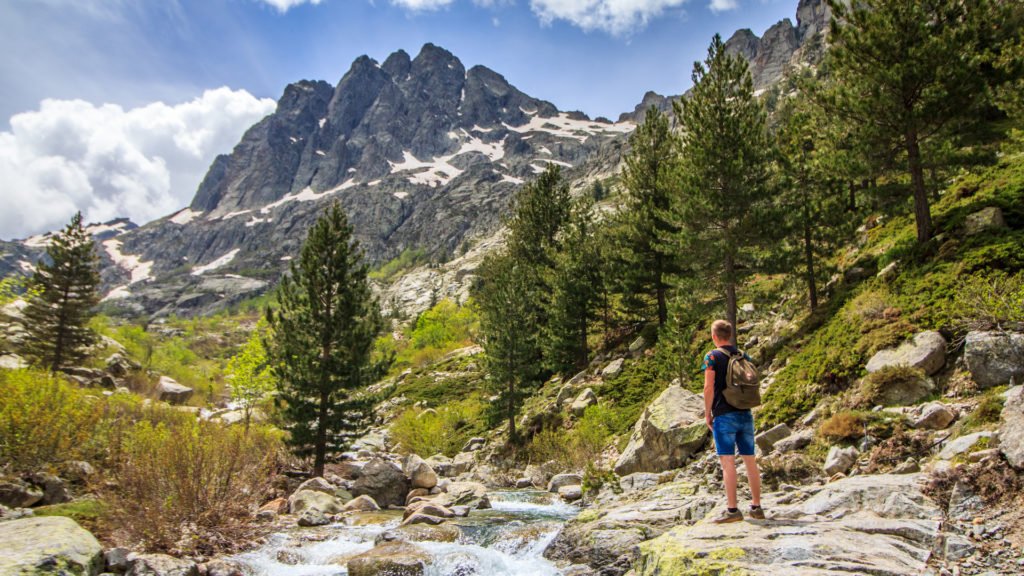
(1011, 430)
(905, 391)
(840, 460)
(767, 439)
(989, 218)
(362, 503)
(926, 350)
(994, 358)
(523, 483)
(120, 365)
(794, 442)
(12, 362)
(419, 473)
(571, 493)
(390, 559)
(54, 490)
(889, 272)
(957, 547)
(382, 481)
(222, 567)
(668, 432)
(474, 444)
(440, 464)
(17, 495)
(613, 369)
(323, 502)
(908, 466)
(172, 392)
(639, 481)
(960, 445)
(116, 560)
(463, 462)
(160, 565)
(560, 480)
(471, 494)
(77, 471)
(313, 517)
(638, 345)
(48, 545)
(934, 416)
(317, 484)
(586, 399)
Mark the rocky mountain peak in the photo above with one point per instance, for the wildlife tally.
(744, 43)
(812, 17)
(397, 64)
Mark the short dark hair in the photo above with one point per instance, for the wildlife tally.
(722, 329)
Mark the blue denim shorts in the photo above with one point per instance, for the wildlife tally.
(734, 430)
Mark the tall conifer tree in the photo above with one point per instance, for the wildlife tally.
(908, 70)
(650, 179)
(63, 297)
(724, 203)
(322, 338)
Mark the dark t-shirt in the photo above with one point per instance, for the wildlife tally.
(720, 364)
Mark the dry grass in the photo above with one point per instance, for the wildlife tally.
(844, 426)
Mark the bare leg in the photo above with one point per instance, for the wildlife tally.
(729, 476)
(754, 477)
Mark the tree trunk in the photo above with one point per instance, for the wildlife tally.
(730, 295)
(812, 287)
(852, 205)
(511, 411)
(922, 213)
(321, 436)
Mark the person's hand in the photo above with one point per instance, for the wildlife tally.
(708, 420)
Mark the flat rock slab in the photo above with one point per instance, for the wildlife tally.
(52, 544)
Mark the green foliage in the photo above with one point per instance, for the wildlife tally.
(44, 421)
(249, 374)
(444, 325)
(88, 512)
(725, 206)
(904, 71)
(395, 267)
(874, 385)
(987, 301)
(321, 341)
(443, 430)
(987, 413)
(64, 296)
(16, 287)
(647, 256)
(594, 479)
(630, 392)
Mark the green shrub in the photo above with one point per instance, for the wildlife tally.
(873, 388)
(190, 487)
(45, 421)
(988, 411)
(994, 300)
(394, 267)
(89, 512)
(443, 430)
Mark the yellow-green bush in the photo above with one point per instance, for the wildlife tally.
(444, 430)
(190, 487)
(579, 446)
(45, 421)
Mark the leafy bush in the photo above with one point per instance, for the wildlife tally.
(44, 421)
(190, 487)
(873, 387)
(445, 327)
(578, 447)
(989, 301)
(394, 267)
(443, 430)
(988, 411)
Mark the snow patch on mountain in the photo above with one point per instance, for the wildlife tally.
(139, 270)
(185, 216)
(219, 262)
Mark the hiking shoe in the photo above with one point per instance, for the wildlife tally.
(727, 517)
(757, 513)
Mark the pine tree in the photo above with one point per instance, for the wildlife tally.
(507, 299)
(249, 373)
(321, 340)
(813, 198)
(63, 298)
(908, 70)
(650, 181)
(724, 205)
(576, 282)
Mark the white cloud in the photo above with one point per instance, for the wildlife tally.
(109, 162)
(617, 17)
(723, 5)
(420, 5)
(285, 5)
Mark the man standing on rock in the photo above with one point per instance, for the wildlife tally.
(733, 428)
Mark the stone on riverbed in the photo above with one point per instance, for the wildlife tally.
(670, 430)
(390, 559)
(52, 544)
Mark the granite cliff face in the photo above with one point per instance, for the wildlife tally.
(420, 152)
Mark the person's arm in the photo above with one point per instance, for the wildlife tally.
(709, 389)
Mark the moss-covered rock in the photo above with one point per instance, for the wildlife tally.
(48, 545)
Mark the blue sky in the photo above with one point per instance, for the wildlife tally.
(157, 61)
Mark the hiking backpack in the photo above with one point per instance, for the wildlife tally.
(742, 385)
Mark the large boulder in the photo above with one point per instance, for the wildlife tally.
(160, 565)
(994, 358)
(54, 489)
(926, 350)
(48, 545)
(382, 481)
(471, 494)
(561, 480)
(420, 533)
(304, 500)
(585, 400)
(317, 484)
(670, 430)
(390, 559)
(462, 463)
(440, 464)
(361, 504)
(172, 392)
(613, 369)
(1011, 431)
(840, 460)
(419, 473)
(18, 495)
(934, 416)
(988, 218)
(766, 440)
